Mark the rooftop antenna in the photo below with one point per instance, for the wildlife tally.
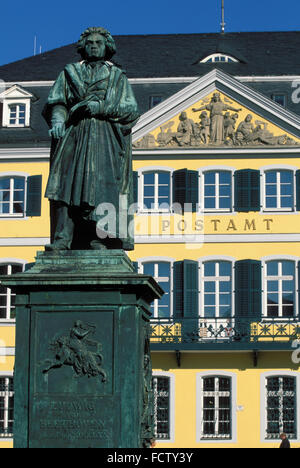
(34, 46)
(223, 19)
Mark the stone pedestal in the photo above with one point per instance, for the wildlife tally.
(83, 366)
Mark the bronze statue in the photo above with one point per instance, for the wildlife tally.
(91, 110)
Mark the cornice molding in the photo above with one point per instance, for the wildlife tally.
(170, 80)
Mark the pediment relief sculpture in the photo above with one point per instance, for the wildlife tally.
(216, 122)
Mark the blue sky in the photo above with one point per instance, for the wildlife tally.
(60, 22)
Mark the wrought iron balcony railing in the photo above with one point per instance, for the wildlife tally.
(222, 333)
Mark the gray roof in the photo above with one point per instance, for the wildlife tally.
(170, 55)
(154, 56)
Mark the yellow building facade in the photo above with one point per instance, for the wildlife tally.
(225, 349)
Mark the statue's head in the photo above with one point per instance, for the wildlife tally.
(96, 43)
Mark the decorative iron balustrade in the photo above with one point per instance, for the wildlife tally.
(233, 331)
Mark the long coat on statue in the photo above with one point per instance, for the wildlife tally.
(92, 163)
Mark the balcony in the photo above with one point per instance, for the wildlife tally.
(209, 334)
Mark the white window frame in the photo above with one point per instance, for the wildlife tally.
(14, 96)
(18, 117)
(265, 279)
(11, 176)
(278, 209)
(218, 169)
(9, 262)
(213, 58)
(199, 407)
(263, 406)
(156, 260)
(156, 210)
(171, 376)
(201, 262)
(6, 375)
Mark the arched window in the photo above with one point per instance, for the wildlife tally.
(217, 58)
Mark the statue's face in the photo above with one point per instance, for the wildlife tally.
(95, 47)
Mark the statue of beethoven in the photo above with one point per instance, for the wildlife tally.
(91, 110)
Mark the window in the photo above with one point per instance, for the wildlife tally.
(161, 272)
(7, 298)
(279, 99)
(281, 407)
(216, 58)
(217, 191)
(6, 406)
(12, 195)
(279, 190)
(17, 115)
(20, 195)
(154, 101)
(161, 391)
(157, 191)
(216, 417)
(280, 287)
(216, 289)
(16, 107)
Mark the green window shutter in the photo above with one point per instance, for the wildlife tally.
(186, 302)
(191, 296)
(185, 188)
(247, 190)
(135, 186)
(34, 196)
(298, 190)
(248, 289)
(178, 290)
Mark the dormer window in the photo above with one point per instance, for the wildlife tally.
(217, 58)
(16, 107)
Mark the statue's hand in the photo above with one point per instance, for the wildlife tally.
(58, 130)
(93, 108)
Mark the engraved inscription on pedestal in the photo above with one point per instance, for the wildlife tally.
(75, 420)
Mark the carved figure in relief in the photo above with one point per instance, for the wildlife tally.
(229, 126)
(166, 135)
(216, 109)
(204, 128)
(75, 351)
(185, 130)
(244, 134)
